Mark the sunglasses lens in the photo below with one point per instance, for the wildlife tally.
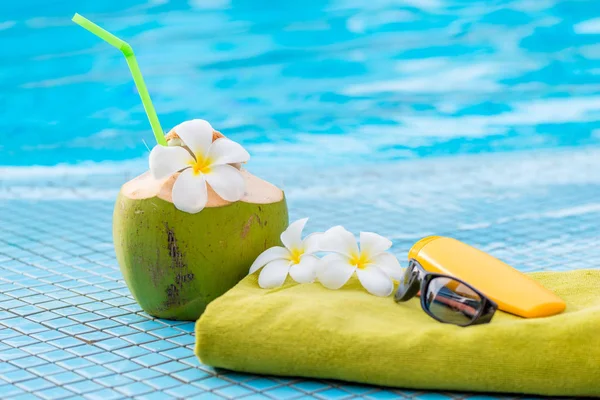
(408, 286)
(451, 301)
(405, 281)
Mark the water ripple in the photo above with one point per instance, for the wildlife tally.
(419, 78)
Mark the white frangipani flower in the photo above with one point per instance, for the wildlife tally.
(295, 259)
(374, 267)
(206, 161)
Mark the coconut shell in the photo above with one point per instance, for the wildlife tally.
(176, 263)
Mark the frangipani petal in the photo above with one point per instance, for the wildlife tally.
(189, 192)
(312, 243)
(227, 182)
(165, 161)
(372, 244)
(334, 271)
(274, 253)
(339, 240)
(375, 281)
(306, 270)
(389, 264)
(196, 135)
(225, 151)
(292, 236)
(273, 274)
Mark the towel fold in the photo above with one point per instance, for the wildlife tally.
(348, 334)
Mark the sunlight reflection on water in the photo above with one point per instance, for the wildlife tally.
(341, 80)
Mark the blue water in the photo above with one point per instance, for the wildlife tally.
(307, 80)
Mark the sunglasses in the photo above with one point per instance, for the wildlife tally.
(445, 298)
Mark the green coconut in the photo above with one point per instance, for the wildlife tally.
(176, 263)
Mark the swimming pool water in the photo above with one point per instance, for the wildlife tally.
(373, 80)
(476, 120)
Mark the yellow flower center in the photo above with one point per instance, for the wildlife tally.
(359, 260)
(295, 255)
(201, 165)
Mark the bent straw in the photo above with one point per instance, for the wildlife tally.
(133, 67)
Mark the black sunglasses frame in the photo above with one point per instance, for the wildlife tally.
(419, 280)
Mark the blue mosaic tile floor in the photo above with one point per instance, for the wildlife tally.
(69, 327)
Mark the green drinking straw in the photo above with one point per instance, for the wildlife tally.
(133, 67)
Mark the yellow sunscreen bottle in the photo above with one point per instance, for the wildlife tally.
(513, 291)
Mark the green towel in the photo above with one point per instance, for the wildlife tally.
(348, 334)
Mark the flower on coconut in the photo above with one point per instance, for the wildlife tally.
(201, 161)
(296, 259)
(374, 267)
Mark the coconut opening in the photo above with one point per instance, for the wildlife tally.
(146, 186)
